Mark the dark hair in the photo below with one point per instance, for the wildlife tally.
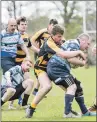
(53, 21)
(57, 29)
(21, 19)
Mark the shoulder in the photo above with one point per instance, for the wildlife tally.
(38, 33)
(72, 43)
(25, 35)
(3, 32)
(16, 68)
(43, 30)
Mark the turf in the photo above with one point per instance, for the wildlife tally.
(52, 107)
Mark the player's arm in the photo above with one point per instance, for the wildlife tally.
(70, 54)
(32, 47)
(62, 53)
(35, 49)
(8, 78)
(76, 61)
(24, 48)
(35, 37)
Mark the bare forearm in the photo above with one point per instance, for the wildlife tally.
(69, 54)
(76, 61)
(24, 48)
(35, 49)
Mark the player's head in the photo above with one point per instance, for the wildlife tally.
(22, 24)
(11, 25)
(52, 22)
(57, 34)
(84, 41)
(26, 66)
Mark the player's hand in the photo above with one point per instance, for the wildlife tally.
(82, 55)
(94, 50)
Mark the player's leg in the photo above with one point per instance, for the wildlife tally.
(36, 88)
(26, 76)
(79, 97)
(28, 85)
(46, 87)
(68, 83)
(11, 105)
(7, 94)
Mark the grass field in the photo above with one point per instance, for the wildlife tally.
(52, 107)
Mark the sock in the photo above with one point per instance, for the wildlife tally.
(68, 102)
(80, 101)
(2, 102)
(33, 105)
(25, 99)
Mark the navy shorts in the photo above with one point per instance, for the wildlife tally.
(59, 75)
(7, 63)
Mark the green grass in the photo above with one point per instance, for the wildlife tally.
(52, 107)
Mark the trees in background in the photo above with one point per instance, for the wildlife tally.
(71, 12)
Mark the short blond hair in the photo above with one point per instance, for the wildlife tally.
(83, 35)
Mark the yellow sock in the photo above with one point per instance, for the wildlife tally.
(33, 105)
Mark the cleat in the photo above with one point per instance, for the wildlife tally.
(23, 107)
(93, 108)
(11, 107)
(29, 112)
(89, 113)
(71, 115)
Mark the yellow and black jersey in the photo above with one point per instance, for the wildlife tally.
(46, 51)
(20, 53)
(39, 37)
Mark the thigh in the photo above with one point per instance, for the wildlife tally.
(19, 91)
(44, 79)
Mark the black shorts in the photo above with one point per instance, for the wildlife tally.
(19, 91)
(7, 63)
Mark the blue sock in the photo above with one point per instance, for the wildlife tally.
(68, 102)
(20, 99)
(80, 101)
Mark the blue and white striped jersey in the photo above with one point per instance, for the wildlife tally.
(9, 42)
(16, 76)
(70, 45)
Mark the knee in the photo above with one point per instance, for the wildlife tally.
(11, 91)
(48, 87)
(72, 89)
(28, 83)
